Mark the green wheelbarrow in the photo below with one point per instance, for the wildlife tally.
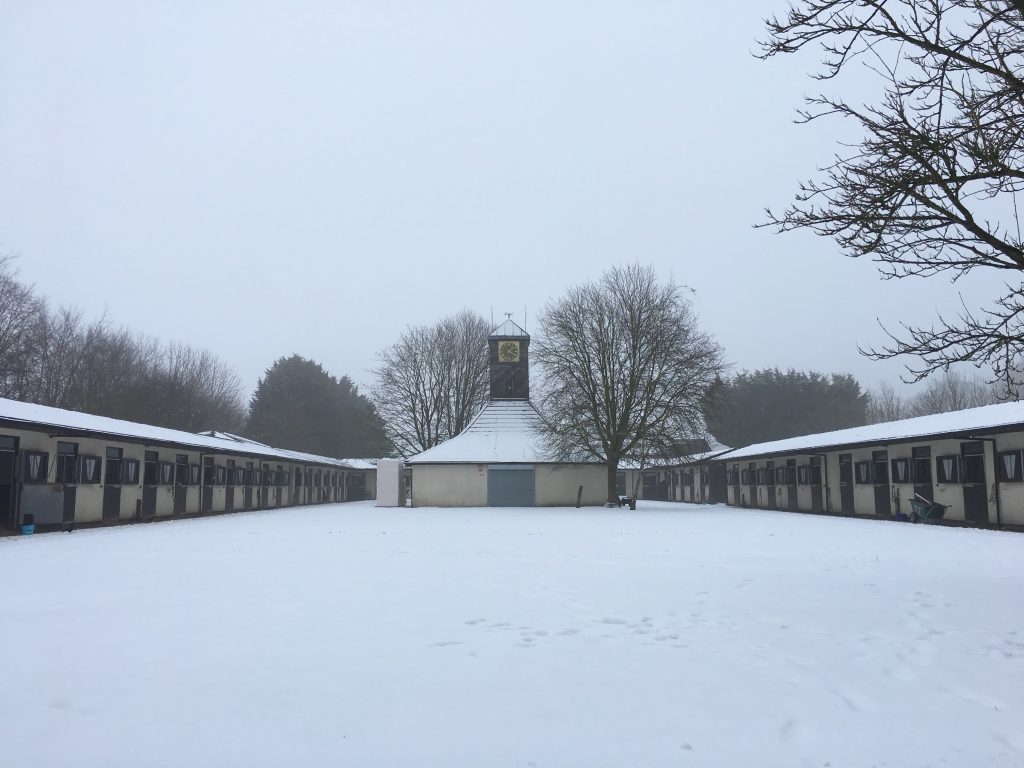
(925, 511)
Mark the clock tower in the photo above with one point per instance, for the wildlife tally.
(508, 348)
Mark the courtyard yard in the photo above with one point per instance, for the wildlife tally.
(674, 635)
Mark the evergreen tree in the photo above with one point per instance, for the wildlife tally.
(755, 407)
(299, 405)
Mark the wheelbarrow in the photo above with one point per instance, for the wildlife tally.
(925, 511)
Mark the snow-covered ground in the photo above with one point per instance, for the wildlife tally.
(675, 635)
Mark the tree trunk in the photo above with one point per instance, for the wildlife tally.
(613, 471)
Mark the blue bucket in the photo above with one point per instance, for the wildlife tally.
(28, 530)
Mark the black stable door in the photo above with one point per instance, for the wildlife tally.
(975, 493)
(846, 483)
(921, 471)
(880, 474)
(8, 512)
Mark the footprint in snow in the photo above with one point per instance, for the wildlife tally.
(611, 620)
(445, 644)
(472, 622)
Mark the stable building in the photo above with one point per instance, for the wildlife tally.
(499, 459)
(64, 468)
(971, 461)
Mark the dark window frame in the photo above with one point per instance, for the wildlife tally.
(942, 475)
(894, 473)
(84, 478)
(65, 469)
(42, 467)
(1002, 475)
(130, 472)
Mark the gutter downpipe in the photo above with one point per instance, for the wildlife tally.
(995, 457)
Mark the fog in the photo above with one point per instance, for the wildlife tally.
(266, 178)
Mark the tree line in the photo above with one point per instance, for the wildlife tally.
(53, 356)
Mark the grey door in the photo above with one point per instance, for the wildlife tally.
(70, 496)
(111, 502)
(510, 485)
(180, 496)
(148, 501)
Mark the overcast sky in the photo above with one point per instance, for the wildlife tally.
(263, 178)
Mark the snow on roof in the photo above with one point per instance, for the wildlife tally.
(30, 413)
(505, 431)
(987, 417)
(361, 463)
(508, 328)
(715, 449)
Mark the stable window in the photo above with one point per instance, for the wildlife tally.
(89, 469)
(209, 471)
(761, 480)
(803, 474)
(816, 470)
(298, 477)
(862, 472)
(166, 473)
(745, 476)
(113, 474)
(279, 477)
(901, 470)
(266, 474)
(972, 467)
(34, 469)
(221, 475)
(1008, 467)
(151, 468)
(193, 474)
(181, 469)
(130, 471)
(947, 469)
(67, 458)
(780, 475)
(8, 443)
(921, 464)
(880, 467)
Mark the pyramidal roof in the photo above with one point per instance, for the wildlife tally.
(504, 432)
(509, 328)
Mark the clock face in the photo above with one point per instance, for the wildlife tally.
(508, 351)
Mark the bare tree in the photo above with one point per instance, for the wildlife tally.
(624, 370)
(932, 185)
(432, 381)
(20, 314)
(197, 391)
(884, 404)
(952, 392)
